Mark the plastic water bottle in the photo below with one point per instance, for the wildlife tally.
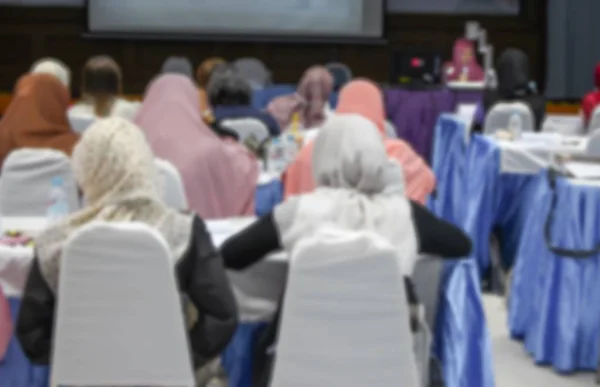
(58, 206)
(276, 156)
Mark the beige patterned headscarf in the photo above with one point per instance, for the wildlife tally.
(114, 167)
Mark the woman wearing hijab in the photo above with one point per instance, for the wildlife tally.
(230, 96)
(310, 100)
(54, 67)
(114, 168)
(464, 66)
(358, 188)
(514, 84)
(592, 99)
(203, 75)
(101, 85)
(219, 176)
(364, 98)
(178, 65)
(37, 117)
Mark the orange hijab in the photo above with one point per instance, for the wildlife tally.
(364, 98)
(37, 116)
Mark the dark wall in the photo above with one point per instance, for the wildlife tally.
(27, 34)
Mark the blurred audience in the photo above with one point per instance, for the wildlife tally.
(219, 176)
(230, 96)
(115, 170)
(37, 116)
(364, 98)
(54, 67)
(203, 75)
(101, 87)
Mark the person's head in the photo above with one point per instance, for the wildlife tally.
(512, 69)
(349, 153)
(41, 99)
(178, 65)
(113, 163)
(363, 97)
(315, 87)
(228, 88)
(101, 83)
(463, 54)
(205, 70)
(53, 67)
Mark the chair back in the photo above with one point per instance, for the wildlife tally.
(515, 117)
(593, 145)
(172, 184)
(345, 320)
(112, 328)
(341, 74)
(248, 129)
(254, 71)
(6, 326)
(26, 181)
(79, 122)
(594, 120)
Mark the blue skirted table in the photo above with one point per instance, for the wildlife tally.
(555, 300)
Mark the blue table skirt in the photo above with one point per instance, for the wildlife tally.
(15, 368)
(555, 300)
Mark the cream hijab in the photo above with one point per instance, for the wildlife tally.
(358, 188)
(53, 67)
(114, 167)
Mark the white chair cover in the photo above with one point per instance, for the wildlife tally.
(594, 120)
(26, 180)
(254, 71)
(593, 145)
(515, 117)
(119, 319)
(247, 128)
(79, 122)
(173, 188)
(345, 318)
(390, 130)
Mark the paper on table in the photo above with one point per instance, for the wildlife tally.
(30, 226)
(222, 229)
(582, 170)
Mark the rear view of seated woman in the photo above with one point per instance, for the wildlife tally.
(358, 188)
(219, 176)
(37, 116)
(230, 96)
(515, 85)
(101, 86)
(114, 168)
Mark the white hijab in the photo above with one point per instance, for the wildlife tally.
(358, 188)
(114, 167)
(53, 67)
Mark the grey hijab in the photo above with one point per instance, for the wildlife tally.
(178, 65)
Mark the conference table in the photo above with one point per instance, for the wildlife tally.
(486, 184)
(414, 113)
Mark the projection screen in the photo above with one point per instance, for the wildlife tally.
(276, 18)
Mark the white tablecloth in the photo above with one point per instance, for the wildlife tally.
(537, 151)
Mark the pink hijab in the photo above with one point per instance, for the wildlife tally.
(309, 100)
(219, 177)
(364, 98)
(459, 64)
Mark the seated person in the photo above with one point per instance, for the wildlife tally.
(514, 85)
(114, 168)
(230, 96)
(203, 75)
(53, 67)
(358, 188)
(101, 87)
(464, 66)
(591, 100)
(310, 101)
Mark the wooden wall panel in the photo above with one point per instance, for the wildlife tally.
(27, 34)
